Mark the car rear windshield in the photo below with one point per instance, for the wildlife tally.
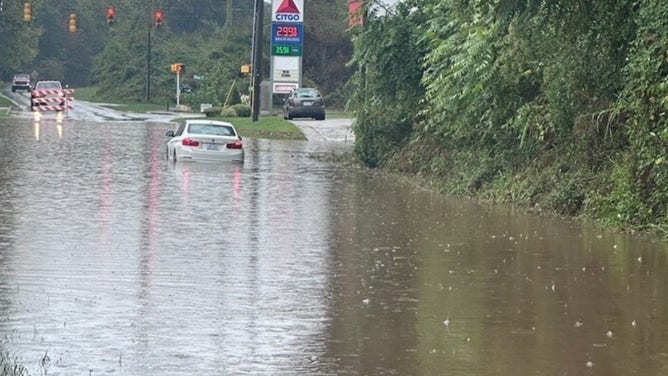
(211, 129)
(307, 93)
(21, 77)
(48, 85)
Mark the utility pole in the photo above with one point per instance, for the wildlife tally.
(256, 67)
(148, 64)
(149, 14)
(229, 18)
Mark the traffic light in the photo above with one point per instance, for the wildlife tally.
(111, 14)
(178, 68)
(27, 11)
(73, 22)
(158, 18)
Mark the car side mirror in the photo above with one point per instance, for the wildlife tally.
(169, 133)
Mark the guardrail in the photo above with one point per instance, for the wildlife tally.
(42, 99)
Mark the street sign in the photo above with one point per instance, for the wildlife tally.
(286, 50)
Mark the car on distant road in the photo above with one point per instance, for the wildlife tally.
(204, 141)
(21, 81)
(302, 103)
(39, 97)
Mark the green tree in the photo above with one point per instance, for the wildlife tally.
(19, 40)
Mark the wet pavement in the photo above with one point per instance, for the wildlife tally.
(114, 261)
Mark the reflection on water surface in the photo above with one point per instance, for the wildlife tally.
(113, 260)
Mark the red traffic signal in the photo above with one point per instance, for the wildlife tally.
(158, 18)
(111, 15)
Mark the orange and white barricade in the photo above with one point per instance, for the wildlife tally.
(51, 99)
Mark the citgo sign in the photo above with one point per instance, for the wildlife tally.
(287, 11)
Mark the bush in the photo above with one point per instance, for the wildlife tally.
(229, 112)
(237, 110)
(242, 110)
(335, 100)
(213, 111)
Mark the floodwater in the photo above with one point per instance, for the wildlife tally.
(115, 262)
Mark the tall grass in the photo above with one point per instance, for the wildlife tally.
(9, 366)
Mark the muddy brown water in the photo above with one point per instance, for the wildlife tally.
(114, 261)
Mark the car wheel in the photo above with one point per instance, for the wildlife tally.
(13, 90)
(174, 155)
(167, 153)
(321, 117)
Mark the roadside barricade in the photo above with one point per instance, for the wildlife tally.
(51, 99)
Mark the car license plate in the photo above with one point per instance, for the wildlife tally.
(212, 147)
(307, 103)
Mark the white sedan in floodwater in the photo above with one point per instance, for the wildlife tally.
(204, 141)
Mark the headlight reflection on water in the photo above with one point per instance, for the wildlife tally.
(60, 117)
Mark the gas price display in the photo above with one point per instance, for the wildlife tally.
(286, 33)
(286, 50)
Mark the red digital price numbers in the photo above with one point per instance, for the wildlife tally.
(287, 31)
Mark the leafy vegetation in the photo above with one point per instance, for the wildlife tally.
(212, 38)
(556, 104)
(388, 89)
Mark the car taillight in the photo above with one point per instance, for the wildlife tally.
(189, 142)
(235, 145)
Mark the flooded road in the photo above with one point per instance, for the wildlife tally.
(114, 261)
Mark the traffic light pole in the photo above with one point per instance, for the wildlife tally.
(257, 58)
(178, 90)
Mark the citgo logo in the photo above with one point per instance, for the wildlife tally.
(288, 11)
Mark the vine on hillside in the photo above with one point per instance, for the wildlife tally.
(388, 55)
(512, 89)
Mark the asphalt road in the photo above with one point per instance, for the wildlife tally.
(86, 111)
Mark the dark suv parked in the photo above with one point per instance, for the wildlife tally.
(21, 81)
(304, 102)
